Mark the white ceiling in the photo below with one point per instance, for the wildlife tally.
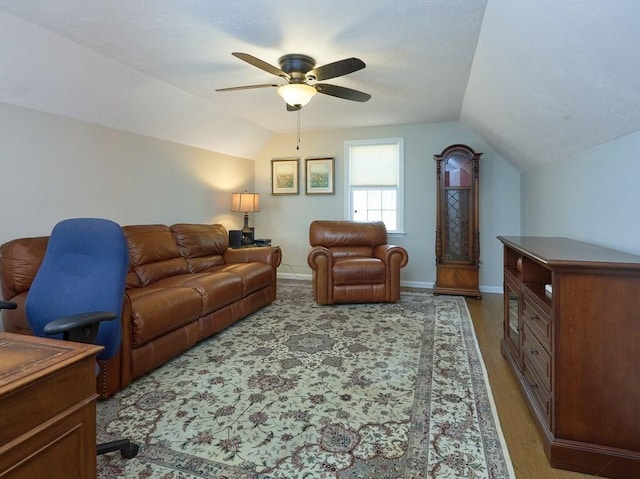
(536, 79)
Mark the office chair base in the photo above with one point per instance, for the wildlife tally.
(127, 448)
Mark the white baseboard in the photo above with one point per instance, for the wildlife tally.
(416, 284)
(491, 289)
(307, 277)
(406, 284)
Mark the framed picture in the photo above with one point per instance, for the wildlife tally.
(284, 176)
(320, 176)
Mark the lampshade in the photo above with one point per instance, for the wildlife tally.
(245, 202)
(297, 94)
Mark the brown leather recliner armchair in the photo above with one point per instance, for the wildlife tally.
(352, 263)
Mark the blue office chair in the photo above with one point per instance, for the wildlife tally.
(78, 291)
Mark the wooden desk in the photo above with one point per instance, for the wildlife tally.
(47, 408)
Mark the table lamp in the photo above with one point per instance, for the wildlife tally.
(245, 202)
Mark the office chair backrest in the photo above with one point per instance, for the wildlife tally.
(83, 270)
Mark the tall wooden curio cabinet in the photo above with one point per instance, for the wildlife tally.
(457, 222)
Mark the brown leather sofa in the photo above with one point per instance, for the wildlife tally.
(184, 285)
(352, 262)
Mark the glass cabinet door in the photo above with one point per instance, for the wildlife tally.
(512, 323)
(456, 245)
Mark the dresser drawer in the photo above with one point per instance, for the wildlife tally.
(538, 358)
(538, 321)
(538, 392)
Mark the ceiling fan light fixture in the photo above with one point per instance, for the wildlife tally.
(296, 94)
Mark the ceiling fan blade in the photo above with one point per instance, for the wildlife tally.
(256, 62)
(336, 69)
(293, 108)
(247, 87)
(342, 92)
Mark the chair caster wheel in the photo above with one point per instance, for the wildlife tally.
(129, 451)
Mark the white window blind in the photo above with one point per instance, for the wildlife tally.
(374, 165)
(374, 182)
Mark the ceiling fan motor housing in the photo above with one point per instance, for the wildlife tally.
(296, 65)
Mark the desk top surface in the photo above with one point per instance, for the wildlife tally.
(566, 252)
(24, 359)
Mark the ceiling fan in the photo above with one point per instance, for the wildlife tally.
(302, 76)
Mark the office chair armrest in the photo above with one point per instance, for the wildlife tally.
(7, 305)
(81, 327)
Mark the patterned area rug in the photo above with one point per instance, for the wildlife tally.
(301, 391)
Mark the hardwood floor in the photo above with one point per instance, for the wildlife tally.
(520, 432)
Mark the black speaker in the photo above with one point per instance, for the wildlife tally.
(235, 238)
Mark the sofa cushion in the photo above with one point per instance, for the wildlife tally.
(156, 311)
(153, 253)
(216, 290)
(201, 245)
(205, 263)
(200, 240)
(254, 276)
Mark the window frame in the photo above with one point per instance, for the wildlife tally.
(400, 192)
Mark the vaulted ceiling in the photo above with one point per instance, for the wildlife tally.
(536, 79)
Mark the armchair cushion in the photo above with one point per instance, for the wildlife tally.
(342, 235)
(355, 270)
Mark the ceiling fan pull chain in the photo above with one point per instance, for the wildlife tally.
(298, 144)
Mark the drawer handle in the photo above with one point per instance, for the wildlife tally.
(534, 351)
(533, 386)
(533, 316)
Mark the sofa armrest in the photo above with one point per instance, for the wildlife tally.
(272, 255)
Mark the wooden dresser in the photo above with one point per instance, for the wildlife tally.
(47, 408)
(574, 348)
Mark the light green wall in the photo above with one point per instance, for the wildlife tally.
(55, 168)
(592, 196)
(285, 219)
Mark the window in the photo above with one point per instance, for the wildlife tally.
(375, 182)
